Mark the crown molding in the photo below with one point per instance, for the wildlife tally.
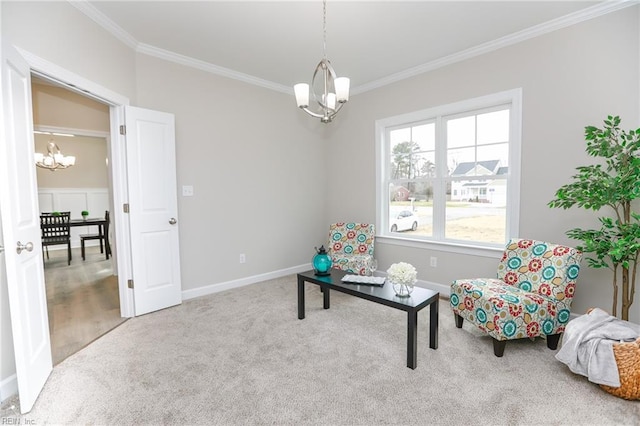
(101, 19)
(517, 37)
(565, 21)
(211, 68)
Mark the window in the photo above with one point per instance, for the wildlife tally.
(451, 174)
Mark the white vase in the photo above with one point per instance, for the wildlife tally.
(403, 289)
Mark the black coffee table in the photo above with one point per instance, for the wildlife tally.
(385, 295)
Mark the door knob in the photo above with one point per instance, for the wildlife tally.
(172, 221)
(27, 247)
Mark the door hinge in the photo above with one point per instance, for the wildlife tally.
(125, 207)
(123, 129)
(130, 283)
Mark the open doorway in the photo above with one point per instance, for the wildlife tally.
(83, 300)
(145, 222)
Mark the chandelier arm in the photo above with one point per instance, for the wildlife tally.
(53, 167)
(55, 158)
(335, 112)
(311, 113)
(331, 100)
(329, 74)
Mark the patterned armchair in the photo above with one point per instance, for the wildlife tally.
(530, 297)
(351, 246)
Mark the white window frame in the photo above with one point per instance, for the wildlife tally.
(514, 99)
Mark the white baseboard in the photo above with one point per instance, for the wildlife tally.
(8, 387)
(444, 290)
(227, 285)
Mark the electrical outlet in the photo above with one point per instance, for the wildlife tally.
(187, 190)
(433, 261)
(243, 258)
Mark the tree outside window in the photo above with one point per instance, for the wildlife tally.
(453, 172)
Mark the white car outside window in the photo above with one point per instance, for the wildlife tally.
(404, 221)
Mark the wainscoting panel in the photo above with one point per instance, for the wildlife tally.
(75, 200)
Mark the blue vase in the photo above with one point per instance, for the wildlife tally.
(321, 262)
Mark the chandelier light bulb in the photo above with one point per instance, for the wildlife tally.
(302, 94)
(335, 90)
(331, 101)
(54, 159)
(342, 89)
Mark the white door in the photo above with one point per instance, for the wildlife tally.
(21, 231)
(153, 209)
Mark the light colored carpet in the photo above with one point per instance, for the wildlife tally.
(243, 357)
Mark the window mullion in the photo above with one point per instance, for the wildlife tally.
(484, 188)
(440, 185)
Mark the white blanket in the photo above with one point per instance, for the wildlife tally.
(587, 345)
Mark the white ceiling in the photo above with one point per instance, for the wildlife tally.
(279, 43)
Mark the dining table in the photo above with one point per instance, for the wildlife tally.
(100, 222)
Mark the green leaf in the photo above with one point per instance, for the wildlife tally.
(610, 185)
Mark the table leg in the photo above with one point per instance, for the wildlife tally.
(412, 339)
(433, 325)
(107, 245)
(101, 234)
(300, 298)
(325, 298)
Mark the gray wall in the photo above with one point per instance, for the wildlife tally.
(257, 164)
(60, 33)
(269, 179)
(258, 175)
(570, 78)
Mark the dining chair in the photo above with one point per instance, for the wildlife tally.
(105, 247)
(56, 231)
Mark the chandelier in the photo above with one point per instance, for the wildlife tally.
(54, 159)
(335, 90)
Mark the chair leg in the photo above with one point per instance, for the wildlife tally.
(552, 341)
(69, 253)
(82, 248)
(101, 246)
(47, 250)
(459, 320)
(107, 250)
(498, 347)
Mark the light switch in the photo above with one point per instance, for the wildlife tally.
(187, 190)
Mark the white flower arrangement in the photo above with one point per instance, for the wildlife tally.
(402, 273)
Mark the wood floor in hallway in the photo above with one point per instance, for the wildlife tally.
(82, 300)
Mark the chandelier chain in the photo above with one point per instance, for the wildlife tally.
(324, 28)
(335, 90)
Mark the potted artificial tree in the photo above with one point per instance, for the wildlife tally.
(614, 184)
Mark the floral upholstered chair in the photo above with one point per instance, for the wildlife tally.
(351, 246)
(530, 297)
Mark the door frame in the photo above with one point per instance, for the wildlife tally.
(117, 161)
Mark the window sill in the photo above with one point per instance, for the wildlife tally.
(471, 250)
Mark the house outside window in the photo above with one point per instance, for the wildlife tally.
(455, 168)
